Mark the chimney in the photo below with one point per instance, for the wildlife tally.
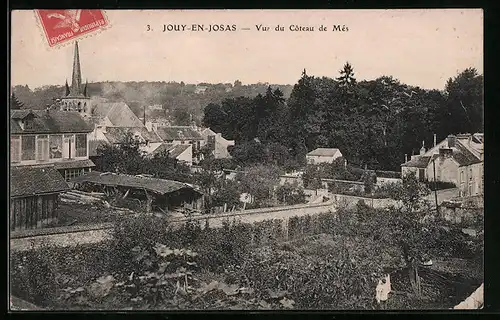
(435, 140)
(452, 141)
(406, 157)
(422, 150)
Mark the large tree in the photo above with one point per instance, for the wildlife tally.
(465, 102)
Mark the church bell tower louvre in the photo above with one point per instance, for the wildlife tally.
(75, 96)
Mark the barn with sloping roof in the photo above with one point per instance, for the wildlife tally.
(153, 194)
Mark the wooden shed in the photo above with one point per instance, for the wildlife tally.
(34, 196)
(155, 193)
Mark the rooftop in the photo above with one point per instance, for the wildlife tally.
(178, 133)
(119, 134)
(28, 181)
(118, 113)
(174, 150)
(158, 186)
(324, 152)
(49, 122)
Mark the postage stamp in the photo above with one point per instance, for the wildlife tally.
(61, 26)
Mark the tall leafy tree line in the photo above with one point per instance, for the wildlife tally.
(374, 123)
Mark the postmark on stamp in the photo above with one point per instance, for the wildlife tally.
(61, 26)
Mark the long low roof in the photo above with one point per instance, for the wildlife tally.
(159, 186)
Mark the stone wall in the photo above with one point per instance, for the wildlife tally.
(68, 236)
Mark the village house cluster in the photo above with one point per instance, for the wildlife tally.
(55, 149)
(51, 147)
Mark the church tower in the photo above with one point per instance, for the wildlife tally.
(75, 96)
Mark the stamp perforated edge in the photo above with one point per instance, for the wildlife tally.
(63, 44)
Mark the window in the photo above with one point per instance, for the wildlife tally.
(42, 148)
(15, 148)
(28, 124)
(421, 174)
(73, 173)
(470, 174)
(81, 145)
(68, 146)
(55, 146)
(462, 180)
(28, 148)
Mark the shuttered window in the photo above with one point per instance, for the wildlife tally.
(42, 148)
(15, 148)
(28, 148)
(81, 145)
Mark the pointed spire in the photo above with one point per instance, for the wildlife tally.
(76, 81)
(304, 73)
(66, 86)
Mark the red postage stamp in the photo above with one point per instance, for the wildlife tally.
(65, 25)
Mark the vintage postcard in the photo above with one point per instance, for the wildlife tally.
(246, 160)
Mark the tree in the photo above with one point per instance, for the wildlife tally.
(346, 78)
(465, 102)
(312, 177)
(182, 117)
(125, 157)
(259, 181)
(411, 193)
(15, 104)
(290, 194)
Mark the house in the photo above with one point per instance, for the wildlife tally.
(155, 194)
(59, 138)
(181, 152)
(182, 135)
(323, 155)
(457, 159)
(217, 144)
(34, 196)
(149, 140)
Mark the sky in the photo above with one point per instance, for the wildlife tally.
(421, 47)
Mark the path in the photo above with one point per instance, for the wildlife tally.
(443, 195)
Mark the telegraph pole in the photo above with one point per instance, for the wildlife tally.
(435, 184)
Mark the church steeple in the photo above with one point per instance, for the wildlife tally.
(76, 96)
(76, 81)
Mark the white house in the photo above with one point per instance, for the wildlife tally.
(457, 159)
(323, 155)
(217, 144)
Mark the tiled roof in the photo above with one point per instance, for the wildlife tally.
(463, 156)
(118, 113)
(86, 163)
(324, 152)
(178, 150)
(160, 186)
(418, 162)
(178, 133)
(118, 134)
(50, 122)
(27, 181)
(174, 150)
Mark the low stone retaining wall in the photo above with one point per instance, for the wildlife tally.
(68, 236)
(349, 201)
(474, 301)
